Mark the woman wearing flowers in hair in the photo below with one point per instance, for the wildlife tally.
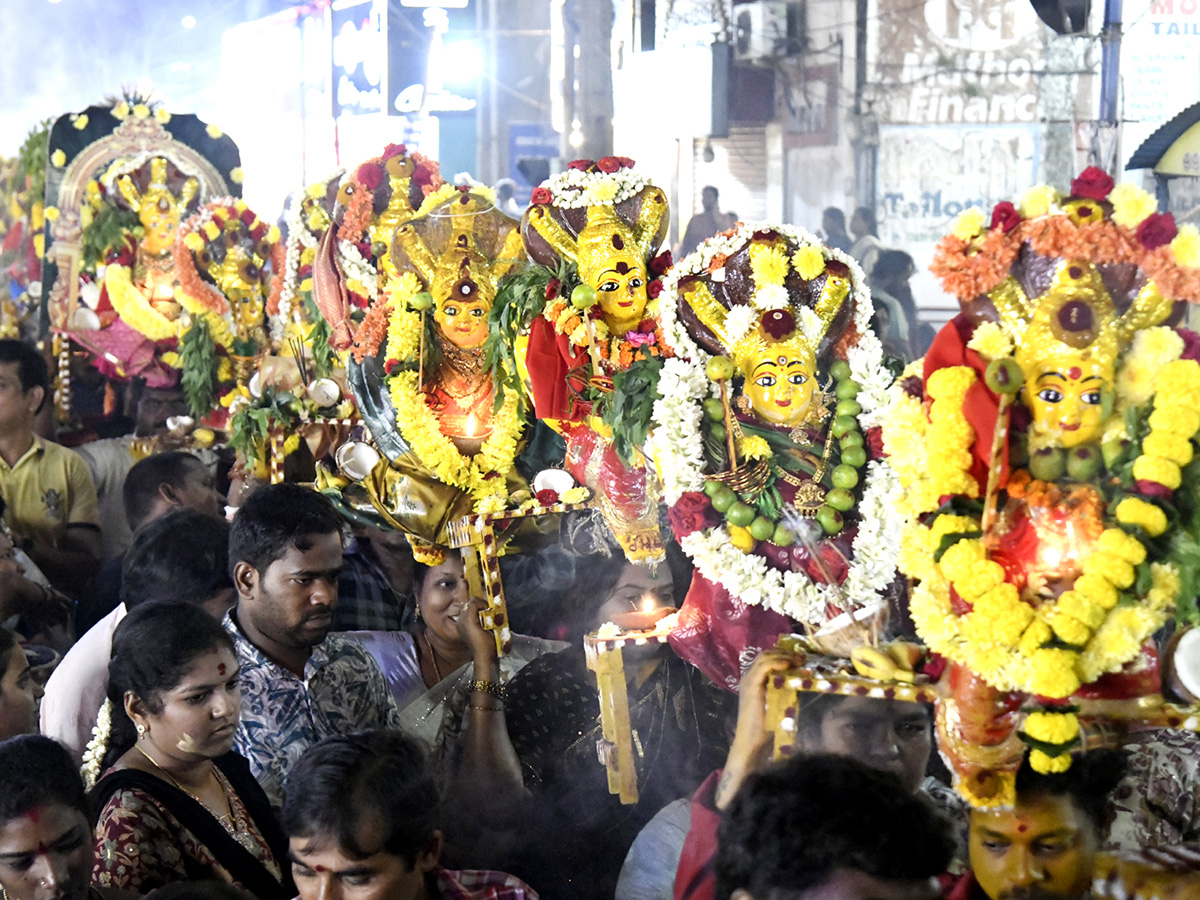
(594, 230)
(768, 407)
(1046, 457)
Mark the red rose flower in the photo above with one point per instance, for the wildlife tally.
(691, 513)
(654, 288)
(422, 176)
(661, 263)
(608, 164)
(393, 150)
(626, 162)
(1191, 344)
(248, 217)
(1153, 489)
(546, 497)
(390, 364)
(778, 323)
(359, 301)
(1157, 230)
(1093, 183)
(581, 164)
(540, 196)
(370, 175)
(834, 560)
(874, 442)
(1005, 216)
(552, 287)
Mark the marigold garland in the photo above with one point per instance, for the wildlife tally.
(132, 306)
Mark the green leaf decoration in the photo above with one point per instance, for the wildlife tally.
(198, 356)
(629, 408)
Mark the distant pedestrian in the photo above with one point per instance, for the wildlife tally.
(705, 223)
(833, 229)
(866, 239)
(733, 219)
(889, 284)
(505, 201)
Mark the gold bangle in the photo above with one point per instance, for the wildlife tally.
(489, 687)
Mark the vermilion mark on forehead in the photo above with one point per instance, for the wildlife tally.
(220, 668)
(1075, 372)
(1022, 827)
(35, 815)
(42, 849)
(320, 869)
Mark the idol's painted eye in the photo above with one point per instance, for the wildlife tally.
(765, 381)
(635, 282)
(797, 378)
(609, 286)
(1050, 395)
(1092, 398)
(449, 310)
(477, 312)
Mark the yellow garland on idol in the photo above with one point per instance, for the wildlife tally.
(1049, 576)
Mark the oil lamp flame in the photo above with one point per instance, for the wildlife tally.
(471, 424)
(648, 602)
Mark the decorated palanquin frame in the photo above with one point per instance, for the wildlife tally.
(482, 538)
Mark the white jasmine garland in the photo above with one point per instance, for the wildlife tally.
(771, 296)
(739, 322)
(576, 188)
(93, 754)
(357, 268)
(810, 325)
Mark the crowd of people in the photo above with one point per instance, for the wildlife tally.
(284, 705)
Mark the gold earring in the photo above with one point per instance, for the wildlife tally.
(742, 403)
(141, 730)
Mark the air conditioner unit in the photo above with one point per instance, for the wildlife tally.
(760, 30)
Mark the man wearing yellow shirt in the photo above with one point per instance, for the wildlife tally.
(48, 488)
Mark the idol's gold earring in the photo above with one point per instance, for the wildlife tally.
(742, 403)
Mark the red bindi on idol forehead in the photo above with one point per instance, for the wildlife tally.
(1075, 372)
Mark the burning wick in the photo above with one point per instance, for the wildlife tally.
(471, 424)
(1052, 557)
(647, 602)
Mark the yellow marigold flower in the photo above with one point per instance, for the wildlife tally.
(162, 116)
(1079, 606)
(51, 213)
(809, 262)
(1052, 727)
(754, 447)
(950, 524)
(1049, 765)
(1186, 247)
(120, 112)
(577, 494)
(1151, 349)
(211, 231)
(306, 284)
(1168, 446)
(601, 192)
(957, 561)
(1036, 634)
(1119, 543)
(991, 341)
(1115, 569)
(273, 234)
(1157, 469)
(80, 121)
(214, 132)
(58, 159)
(1097, 589)
(1147, 516)
(236, 175)
(1052, 672)
(952, 381)
(1177, 383)
(741, 538)
(1069, 629)
(493, 503)
(1037, 201)
(1131, 204)
(194, 241)
(916, 552)
(141, 111)
(1002, 614)
(968, 223)
(86, 215)
(980, 578)
(1179, 421)
(768, 264)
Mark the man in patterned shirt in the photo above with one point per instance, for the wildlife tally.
(300, 683)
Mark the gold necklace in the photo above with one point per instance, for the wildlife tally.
(228, 822)
(432, 656)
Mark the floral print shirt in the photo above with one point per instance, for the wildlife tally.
(342, 691)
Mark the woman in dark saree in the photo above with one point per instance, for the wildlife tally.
(177, 804)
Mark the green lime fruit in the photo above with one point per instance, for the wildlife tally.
(852, 439)
(1047, 464)
(849, 408)
(1083, 463)
(840, 370)
(829, 519)
(848, 389)
(762, 528)
(723, 499)
(845, 476)
(420, 301)
(714, 409)
(711, 487)
(1112, 449)
(854, 456)
(740, 514)
(1003, 376)
(840, 499)
(783, 536)
(717, 430)
(719, 368)
(583, 297)
(843, 425)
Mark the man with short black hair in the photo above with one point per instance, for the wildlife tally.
(299, 682)
(48, 489)
(828, 827)
(705, 223)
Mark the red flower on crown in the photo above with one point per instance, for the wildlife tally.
(540, 196)
(581, 165)
(1093, 183)
(393, 150)
(608, 164)
(1005, 216)
(1157, 230)
(369, 175)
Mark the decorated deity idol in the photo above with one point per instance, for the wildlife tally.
(22, 238)
(1044, 448)
(593, 340)
(450, 434)
(223, 256)
(762, 439)
(121, 180)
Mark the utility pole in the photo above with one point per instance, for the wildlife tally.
(1107, 141)
(593, 77)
